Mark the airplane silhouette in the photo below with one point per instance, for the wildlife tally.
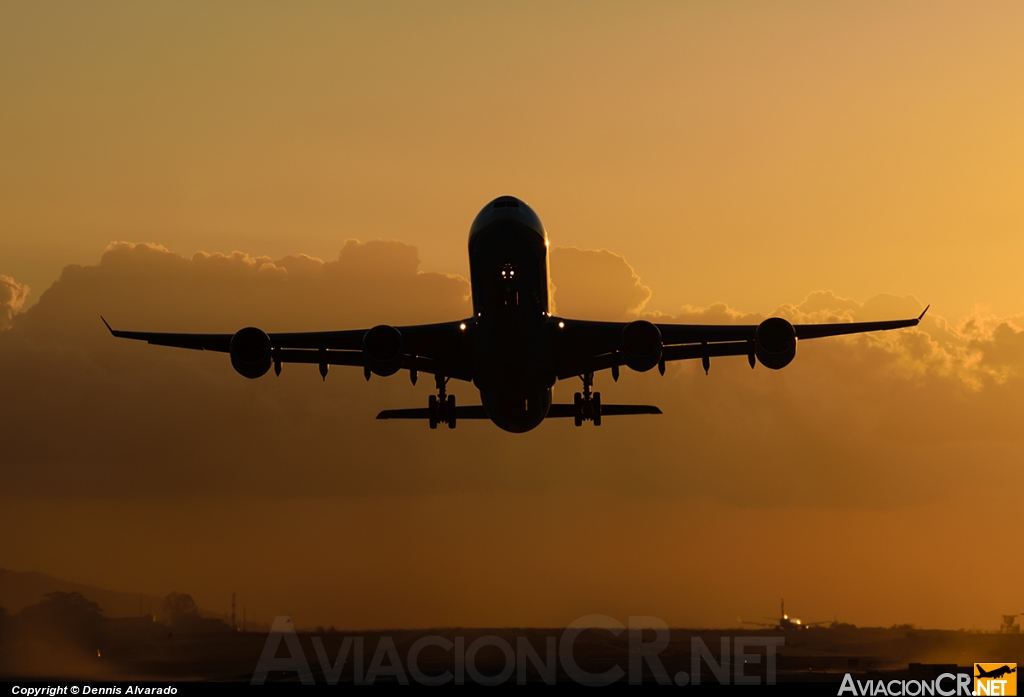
(995, 673)
(512, 348)
(785, 622)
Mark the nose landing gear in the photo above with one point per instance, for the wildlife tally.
(587, 404)
(441, 405)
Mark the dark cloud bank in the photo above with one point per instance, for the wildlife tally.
(869, 421)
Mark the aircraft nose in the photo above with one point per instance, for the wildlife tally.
(506, 202)
(507, 208)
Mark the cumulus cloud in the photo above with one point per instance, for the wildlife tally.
(12, 297)
(97, 415)
(860, 421)
(977, 351)
(146, 286)
(595, 284)
(864, 446)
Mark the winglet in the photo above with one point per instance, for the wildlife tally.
(921, 316)
(109, 328)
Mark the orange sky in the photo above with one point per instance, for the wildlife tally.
(726, 153)
(731, 152)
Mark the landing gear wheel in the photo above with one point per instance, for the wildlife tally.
(451, 411)
(577, 402)
(595, 406)
(432, 408)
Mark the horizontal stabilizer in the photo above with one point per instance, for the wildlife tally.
(476, 412)
(568, 411)
(558, 411)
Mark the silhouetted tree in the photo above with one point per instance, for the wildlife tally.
(69, 614)
(179, 609)
(842, 625)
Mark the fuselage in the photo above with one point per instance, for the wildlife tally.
(513, 363)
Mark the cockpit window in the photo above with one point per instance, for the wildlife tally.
(499, 204)
(513, 204)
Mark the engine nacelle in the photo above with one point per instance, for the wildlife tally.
(641, 345)
(383, 350)
(775, 343)
(250, 352)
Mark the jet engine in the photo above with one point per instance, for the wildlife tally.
(383, 350)
(641, 345)
(775, 343)
(250, 352)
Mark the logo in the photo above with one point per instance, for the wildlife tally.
(732, 664)
(995, 679)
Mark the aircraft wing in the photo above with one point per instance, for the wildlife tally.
(429, 348)
(586, 347)
(446, 349)
(767, 625)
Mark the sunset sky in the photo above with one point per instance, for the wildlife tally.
(204, 166)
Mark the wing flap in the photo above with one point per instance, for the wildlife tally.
(817, 331)
(350, 358)
(696, 333)
(730, 348)
(197, 342)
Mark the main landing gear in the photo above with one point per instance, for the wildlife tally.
(441, 405)
(587, 404)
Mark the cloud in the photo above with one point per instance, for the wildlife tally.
(148, 468)
(977, 351)
(97, 416)
(595, 284)
(12, 297)
(869, 421)
(146, 286)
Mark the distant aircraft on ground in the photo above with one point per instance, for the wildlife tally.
(785, 622)
(512, 348)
